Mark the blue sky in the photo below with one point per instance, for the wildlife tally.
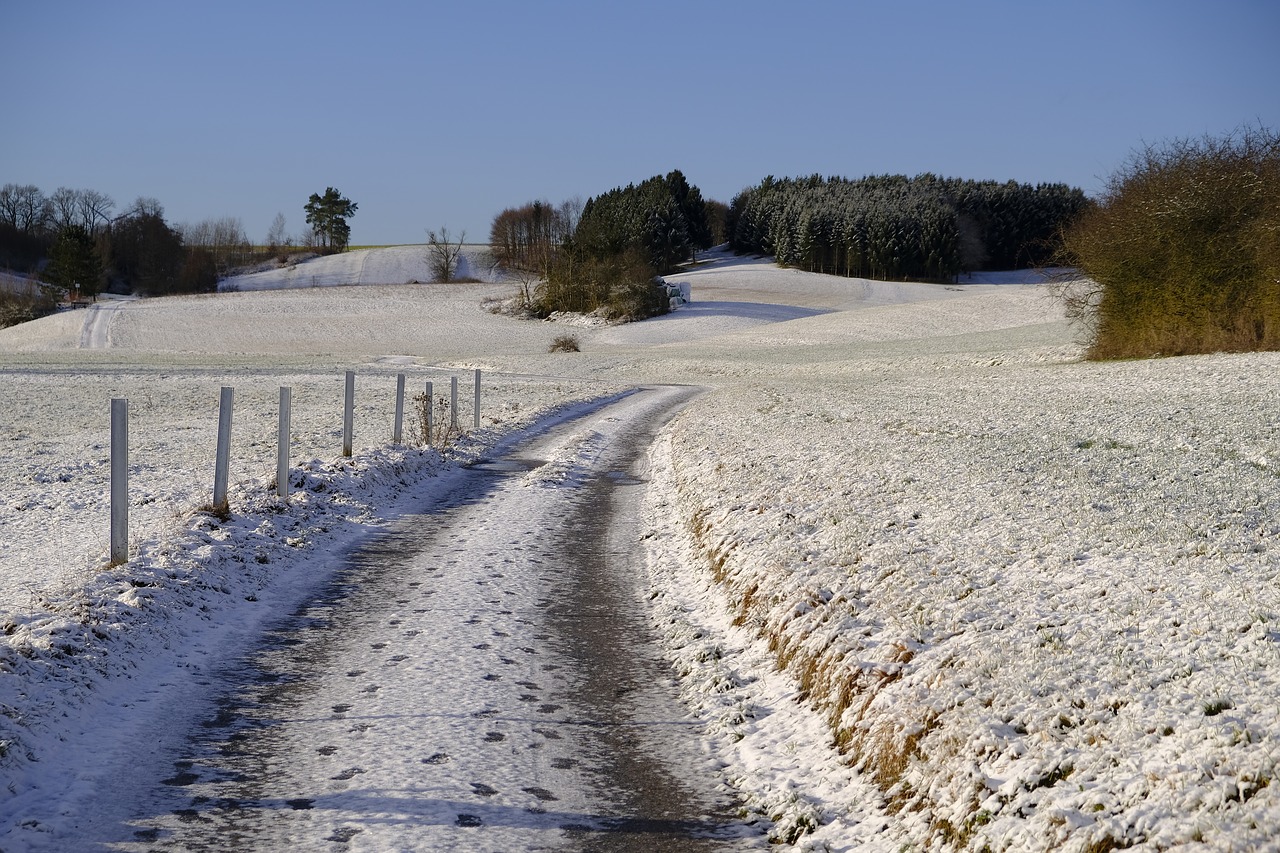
(431, 114)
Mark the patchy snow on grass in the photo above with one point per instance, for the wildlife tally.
(1037, 607)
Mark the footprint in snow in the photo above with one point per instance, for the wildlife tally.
(494, 737)
(344, 834)
(468, 820)
(483, 789)
(542, 794)
(438, 758)
(349, 773)
(181, 779)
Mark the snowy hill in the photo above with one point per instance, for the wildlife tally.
(392, 265)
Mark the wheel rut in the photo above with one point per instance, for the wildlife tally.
(481, 677)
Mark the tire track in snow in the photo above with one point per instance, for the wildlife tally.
(96, 333)
(480, 679)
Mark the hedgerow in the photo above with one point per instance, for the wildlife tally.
(1182, 255)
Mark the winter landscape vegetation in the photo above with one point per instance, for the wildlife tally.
(923, 574)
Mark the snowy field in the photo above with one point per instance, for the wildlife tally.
(929, 579)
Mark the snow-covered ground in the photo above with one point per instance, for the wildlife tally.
(1032, 600)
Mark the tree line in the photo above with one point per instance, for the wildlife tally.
(80, 244)
(892, 227)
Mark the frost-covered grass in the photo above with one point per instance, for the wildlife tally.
(1037, 606)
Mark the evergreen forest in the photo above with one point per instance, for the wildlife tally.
(892, 227)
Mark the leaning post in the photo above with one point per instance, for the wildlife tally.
(119, 481)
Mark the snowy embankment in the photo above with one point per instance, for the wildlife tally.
(1037, 605)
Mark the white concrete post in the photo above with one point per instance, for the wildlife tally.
(477, 419)
(222, 461)
(119, 481)
(282, 442)
(348, 413)
(397, 432)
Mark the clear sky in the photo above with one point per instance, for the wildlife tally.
(429, 113)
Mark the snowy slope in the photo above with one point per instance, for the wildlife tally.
(392, 265)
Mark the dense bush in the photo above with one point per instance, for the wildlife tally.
(894, 227)
(617, 287)
(1183, 253)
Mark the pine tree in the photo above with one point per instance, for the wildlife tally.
(74, 262)
(327, 215)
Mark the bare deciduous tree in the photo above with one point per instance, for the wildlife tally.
(443, 254)
(276, 235)
(23, 207)
(224, 239)
(89, 209)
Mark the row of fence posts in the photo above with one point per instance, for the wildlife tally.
(222, 458)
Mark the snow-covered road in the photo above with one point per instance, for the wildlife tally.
(481, 677)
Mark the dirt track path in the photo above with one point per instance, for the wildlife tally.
(481, 679)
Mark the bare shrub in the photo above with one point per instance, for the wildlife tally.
(18, 308)
(430, 424)
(565, 343)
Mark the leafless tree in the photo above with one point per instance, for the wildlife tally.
(224, 239)
(62, 206)
(89, 209)
(95, 209)
(276, 235)
(23, 207)
(443, 254)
